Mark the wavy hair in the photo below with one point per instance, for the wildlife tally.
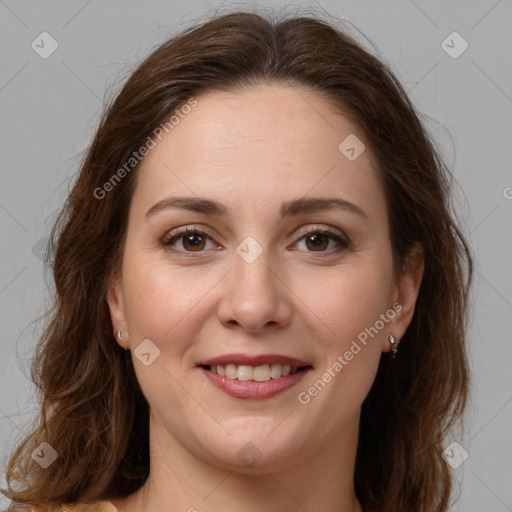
(92, 408)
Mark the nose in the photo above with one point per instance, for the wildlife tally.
(255, 295)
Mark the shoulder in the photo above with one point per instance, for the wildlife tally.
(100, 506)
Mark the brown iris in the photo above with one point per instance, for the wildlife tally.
(316, 241)
(196, 242)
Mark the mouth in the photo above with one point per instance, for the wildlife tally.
(254, 377)
(260, 373)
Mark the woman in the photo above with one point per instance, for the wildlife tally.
(261, 291)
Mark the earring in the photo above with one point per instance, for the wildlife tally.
(394, 345)
(119, 337)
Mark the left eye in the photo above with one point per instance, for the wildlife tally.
(319, 240)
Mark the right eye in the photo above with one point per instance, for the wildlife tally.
(191, 240)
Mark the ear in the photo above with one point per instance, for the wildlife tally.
(116, 307)
(405, 294)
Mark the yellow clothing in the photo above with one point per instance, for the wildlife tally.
(100, 506)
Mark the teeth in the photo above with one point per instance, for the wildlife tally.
(244, 372)
(260, 373)
(275, 371)
(231, 371)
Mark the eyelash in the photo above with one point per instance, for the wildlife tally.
(182, 232)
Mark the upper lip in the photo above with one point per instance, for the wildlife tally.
(258, 360)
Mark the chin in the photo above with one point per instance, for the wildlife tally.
(256, 451)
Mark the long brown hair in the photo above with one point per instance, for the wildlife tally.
(93, 411)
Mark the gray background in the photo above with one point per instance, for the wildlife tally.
(50, 107)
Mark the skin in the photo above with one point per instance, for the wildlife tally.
(251, 151)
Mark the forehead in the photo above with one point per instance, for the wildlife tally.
(266, 143)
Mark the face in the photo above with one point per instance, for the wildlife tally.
(284, 279)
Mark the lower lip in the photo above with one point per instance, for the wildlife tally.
(253, 390)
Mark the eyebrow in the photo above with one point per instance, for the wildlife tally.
(293, 207)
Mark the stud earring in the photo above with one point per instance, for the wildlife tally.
(119, 337)
(394, 345)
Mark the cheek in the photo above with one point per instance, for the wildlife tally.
(348, 333)
(158, 296)
(347, 301)
(346, 311)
